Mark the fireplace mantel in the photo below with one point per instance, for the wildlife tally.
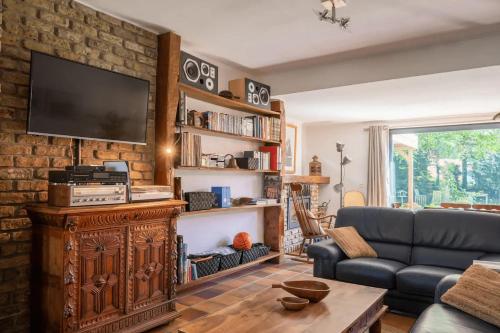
(306, 179)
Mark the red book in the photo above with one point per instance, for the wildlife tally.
(273, 150)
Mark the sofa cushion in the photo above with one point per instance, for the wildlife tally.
(374, 272)
(457, 230)
(381, 225)
(421, 279)
(351, 243)
(432, 256)
(441, 318)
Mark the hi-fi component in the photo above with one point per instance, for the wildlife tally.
(199, 73)
(251, 92)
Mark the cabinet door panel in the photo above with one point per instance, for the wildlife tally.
(102, 274)
(148, 246)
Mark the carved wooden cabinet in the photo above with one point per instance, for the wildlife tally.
(104, 269)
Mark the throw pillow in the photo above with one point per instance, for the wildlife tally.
(351, 243)
(477, 293)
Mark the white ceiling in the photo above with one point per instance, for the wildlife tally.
(468, 92)
(262, 33)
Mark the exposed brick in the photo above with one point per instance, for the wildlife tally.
(6, 185)
(15, 173)
(97, 23)
(139, 166)
(53, 18)
(6, 161)
(108, 18)
(109, 57)
(100, 63)
(110, 38)
(146, 60)
(39, 25)
(4, 236)
(60, 162)
(31, 162)
(83, 9)
(6, 211)
(107, 155)
(31, 139)
(42, 196)
(120, 32)
(83, 29)
(67, 11)
(121, 52)
(127, 156)
(41, 173)
(15, 77)
(32, 185)
(133, 46)
(69, 35)
(14, 262)
(59, 151)
(7, 137)
(146, 41)
(37, 46)
(7, 249)
(86, 51)
(16, 197)
(56, 42)
(16, 52)
(60, 141)
(13, 126)
(135, 175)
(6, 149)
(18, 223)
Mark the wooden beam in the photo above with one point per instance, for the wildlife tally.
(167, 98)
(307, 179)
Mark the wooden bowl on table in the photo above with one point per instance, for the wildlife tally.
(293, 303)
(312, 290)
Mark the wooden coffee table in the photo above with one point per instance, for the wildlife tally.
(348, 308)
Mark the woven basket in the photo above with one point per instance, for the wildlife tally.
(230, 260)
(205, 266)
(263, 249)
(250, 255)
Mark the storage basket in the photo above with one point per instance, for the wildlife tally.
(263, 249)
(230, 260)
(206, 265)
(250, 255)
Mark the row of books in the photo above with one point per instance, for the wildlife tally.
(269, 157)
(190, 149)
(186, 271)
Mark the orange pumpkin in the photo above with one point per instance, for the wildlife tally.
(242, 241)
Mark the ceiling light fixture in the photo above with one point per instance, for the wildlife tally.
(329, 14)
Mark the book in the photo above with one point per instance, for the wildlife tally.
(273, 156)
(272, 187)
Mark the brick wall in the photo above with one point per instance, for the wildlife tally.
(72, 31)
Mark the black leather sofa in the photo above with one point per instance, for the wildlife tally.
(442, 318)
(415, 250)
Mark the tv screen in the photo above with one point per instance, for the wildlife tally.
(76, 100)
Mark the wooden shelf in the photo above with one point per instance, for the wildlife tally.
(205, 131)
(194, 283)
(230, 209)
(224, 169)
(205, 96)
(306, 179)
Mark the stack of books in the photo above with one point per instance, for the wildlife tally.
(190, 149)
(186, 271)
(264, 159)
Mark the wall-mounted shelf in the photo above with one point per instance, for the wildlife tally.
(205, 131)
(193, 168)
(205, 96)
(194, 283)
(230, 209)
(306, 179)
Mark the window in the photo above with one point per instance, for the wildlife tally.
(455, 164)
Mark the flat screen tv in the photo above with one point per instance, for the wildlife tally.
(75, 100)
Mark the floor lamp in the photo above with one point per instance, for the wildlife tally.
(344, 160)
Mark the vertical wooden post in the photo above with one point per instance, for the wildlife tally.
(167, 98)
(274, 217)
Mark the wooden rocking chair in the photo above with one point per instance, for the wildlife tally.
(312, 227)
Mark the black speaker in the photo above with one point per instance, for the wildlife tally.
(251, 92)
(199, 73)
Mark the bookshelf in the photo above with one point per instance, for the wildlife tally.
(167, 99)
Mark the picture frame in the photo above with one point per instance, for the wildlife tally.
(290, 148)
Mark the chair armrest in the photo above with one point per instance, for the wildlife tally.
(323, 217)
(446, 283)
(326, 254)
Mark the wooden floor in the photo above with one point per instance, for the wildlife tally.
(218, 294)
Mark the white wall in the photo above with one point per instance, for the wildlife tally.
(204, 232)
(319, 139)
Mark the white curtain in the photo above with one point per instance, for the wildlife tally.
(378, 166)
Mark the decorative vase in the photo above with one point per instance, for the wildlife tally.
(315, 167)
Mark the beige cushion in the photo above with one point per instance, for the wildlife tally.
(477, 293)
(353, 245)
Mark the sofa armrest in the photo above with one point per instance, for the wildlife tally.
(326, 254)
(490, 257)
(446, 283)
